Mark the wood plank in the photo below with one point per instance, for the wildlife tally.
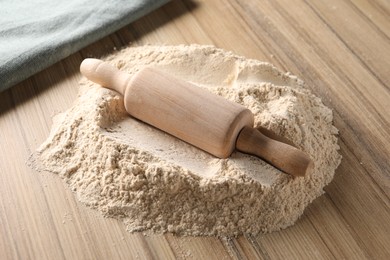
(17, 192)
(377, 12)
(162, 243)
(362, 38)
(197, 247)
(241, 248)
(333, 229)
(364, 210)
(300, 241)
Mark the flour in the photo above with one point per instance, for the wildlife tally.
(153, 181)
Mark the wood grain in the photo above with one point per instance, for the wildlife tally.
(340, 48)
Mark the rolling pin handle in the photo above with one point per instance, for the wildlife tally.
(105, 74)
(283, 156)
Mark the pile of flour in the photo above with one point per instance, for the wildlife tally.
(153, 181)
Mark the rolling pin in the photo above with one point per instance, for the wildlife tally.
(195, 115)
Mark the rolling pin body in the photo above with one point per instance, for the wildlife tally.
(188, 112)
(194, 115)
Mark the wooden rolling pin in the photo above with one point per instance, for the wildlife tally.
(195, 115)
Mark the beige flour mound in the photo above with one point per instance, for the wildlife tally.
(153, 181)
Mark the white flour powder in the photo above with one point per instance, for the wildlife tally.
(153, 181)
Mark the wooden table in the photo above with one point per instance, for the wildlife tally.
(341, 48)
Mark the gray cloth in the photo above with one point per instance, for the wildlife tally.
(35, 34)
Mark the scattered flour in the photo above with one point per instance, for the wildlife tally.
(153, 181)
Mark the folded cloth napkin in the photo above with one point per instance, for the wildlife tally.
(35, 34)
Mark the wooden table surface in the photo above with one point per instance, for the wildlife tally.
(340, 48)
